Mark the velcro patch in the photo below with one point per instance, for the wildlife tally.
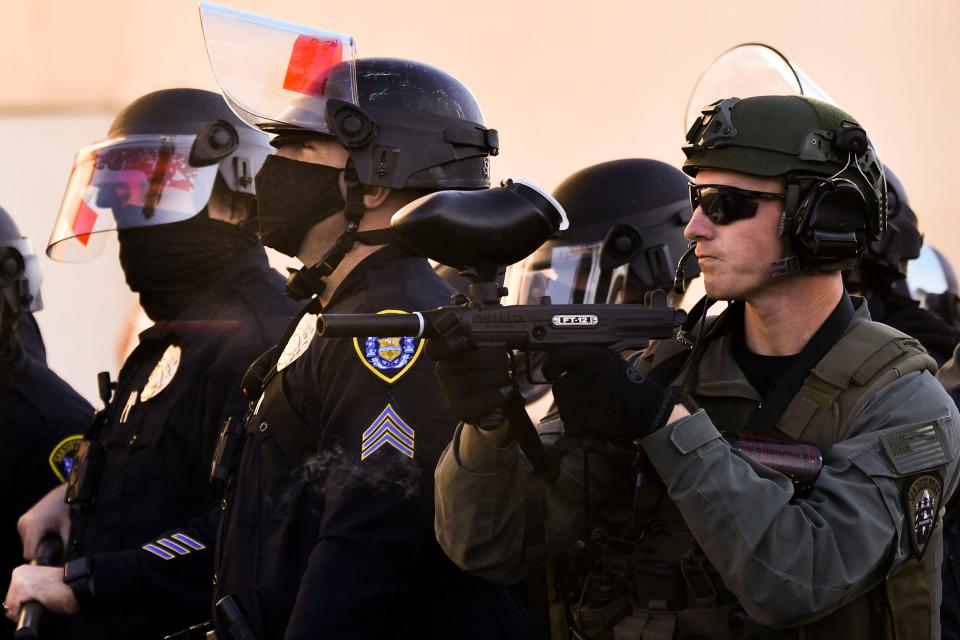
(388, 358)
(63, 456)
(174, 545)
(921, 496)
(915, 449)
(388, 429)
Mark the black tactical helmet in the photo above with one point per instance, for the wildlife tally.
(415, 127)
(835, 192)
(626, 235)
(222, 138)
(158, 165)
(888, 256)
(405, 124)
(20, 276)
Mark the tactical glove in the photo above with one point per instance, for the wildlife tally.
(599, 393)
(475, 380)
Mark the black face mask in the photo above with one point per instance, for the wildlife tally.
(292, 197)
(170, 264)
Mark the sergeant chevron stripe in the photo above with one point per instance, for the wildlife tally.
(388, 429)
(177, 544)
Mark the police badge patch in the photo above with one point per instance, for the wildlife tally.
(299, 341)
(921, 507)
(63, 456)
(162, 374)
(388, 358)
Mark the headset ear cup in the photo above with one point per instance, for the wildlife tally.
(830, 226)
(840, 207)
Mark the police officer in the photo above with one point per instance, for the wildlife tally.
(881, 278)
(625, 238)
(704, 534)
(174, 178)
(327, 522)
(41, 416)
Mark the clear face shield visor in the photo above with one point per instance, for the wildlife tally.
(567, 274)
(746, 71)
(930, 274)
(276, 74)
(137, 181)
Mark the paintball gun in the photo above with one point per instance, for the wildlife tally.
(31, 614)
(479, 233)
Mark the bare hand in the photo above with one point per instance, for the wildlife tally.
(43, 584)
(50, 515)
(678, 412)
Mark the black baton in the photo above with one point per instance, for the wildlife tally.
(31, 613)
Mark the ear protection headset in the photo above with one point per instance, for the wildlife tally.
(827, 222)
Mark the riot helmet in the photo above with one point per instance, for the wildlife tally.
(932, 281)
(20, 277)
(750, 69)
(158, 165)
(884, 264)
(835, 193)
(625, 236)
(404, 124)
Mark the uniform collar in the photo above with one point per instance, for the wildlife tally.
(719, 374)
(356, 280)
(202, 314)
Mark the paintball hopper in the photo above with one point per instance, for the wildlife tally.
(480, 230)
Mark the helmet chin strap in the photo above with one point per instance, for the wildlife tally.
(308, 282)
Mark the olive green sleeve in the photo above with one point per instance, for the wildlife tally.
(480, 507)
(790, 560)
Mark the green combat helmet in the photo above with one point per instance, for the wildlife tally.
(835, 191)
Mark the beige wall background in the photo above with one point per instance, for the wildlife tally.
(567, 84)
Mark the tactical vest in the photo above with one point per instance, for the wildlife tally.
(670, 568)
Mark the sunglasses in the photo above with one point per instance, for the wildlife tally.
(723, 204)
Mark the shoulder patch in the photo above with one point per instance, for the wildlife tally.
(915, 449)
(921, 497)
(388, 429)
(388, 358)
(299, 341)
(63, 456)
(162, 373)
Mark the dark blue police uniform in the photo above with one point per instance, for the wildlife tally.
(41, 418)
(327, 530)
(172, 394)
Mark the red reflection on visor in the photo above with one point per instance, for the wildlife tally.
(84, 222)
(310, 61)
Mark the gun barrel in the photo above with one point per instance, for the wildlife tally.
(356, 325)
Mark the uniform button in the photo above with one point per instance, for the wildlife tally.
(263, 427)
(133, 439)
(223, 505)
(215, 579)
(75, 544)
